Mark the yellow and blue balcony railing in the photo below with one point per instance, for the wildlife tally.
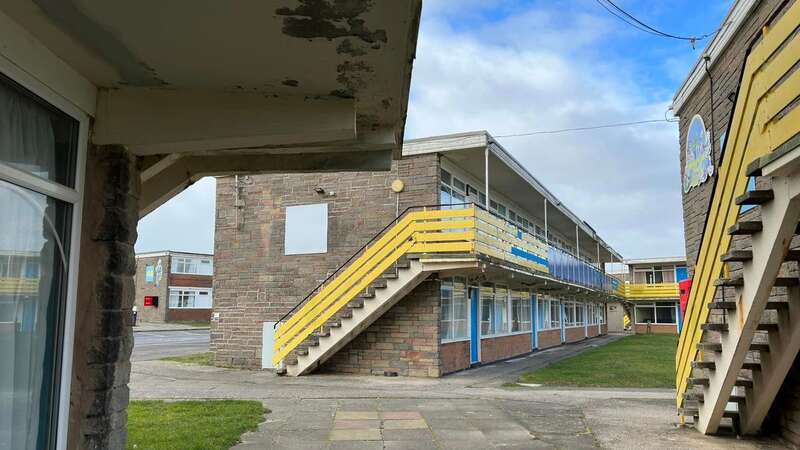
(443, 229)
(19, 286)
(647, 291)
(766, 116)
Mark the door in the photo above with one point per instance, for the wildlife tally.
(474, 336)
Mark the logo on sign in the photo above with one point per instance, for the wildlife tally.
(149, 274)
(698, 155)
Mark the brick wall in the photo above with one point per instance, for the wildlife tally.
(404, 340)
(549, 338)
(494, 349)
(454, 356)
(150, 313)
(255, 282)
(575, 334)
(188, 280)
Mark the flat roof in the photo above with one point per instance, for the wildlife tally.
(656, 260)
(482, 139)
(171, 253)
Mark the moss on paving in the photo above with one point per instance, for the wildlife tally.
(203, 359)
(642, 361)
(191, 425)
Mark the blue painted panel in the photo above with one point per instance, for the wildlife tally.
(473, 326)
(682, 273)
(516, 251)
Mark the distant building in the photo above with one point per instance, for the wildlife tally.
(173, 286)
(651, 291)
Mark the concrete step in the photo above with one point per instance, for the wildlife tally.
(717, 347)
(714, 327)
(739, 281)
(746, 228)
(700, 397)
(711, 365)
(732, 305)
(770, 327)
(737, 256)
(757, 197)
(751, 366)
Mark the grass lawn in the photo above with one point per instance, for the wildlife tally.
(646, 361)
(191, 425)
(203, 359)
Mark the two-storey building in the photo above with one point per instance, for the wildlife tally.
(457, 256)
(652, 293)
(174, 286)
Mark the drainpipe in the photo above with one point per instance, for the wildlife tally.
(706, 59)
(578, 252)
(534, 321)
(546, 232)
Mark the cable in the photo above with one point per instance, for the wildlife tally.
(639, 25)
(595, 127)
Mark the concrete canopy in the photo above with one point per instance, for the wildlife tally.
(250, 80)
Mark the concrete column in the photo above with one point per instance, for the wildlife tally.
(103, 333)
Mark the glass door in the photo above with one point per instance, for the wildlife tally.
(38, 154)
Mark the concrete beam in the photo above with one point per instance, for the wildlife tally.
(160, 121)
(174, 173)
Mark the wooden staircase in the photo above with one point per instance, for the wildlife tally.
(753, 335)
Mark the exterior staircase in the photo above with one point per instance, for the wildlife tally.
(364, 309)
(742, 323)
(399, 258)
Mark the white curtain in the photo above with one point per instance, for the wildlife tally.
(27, 140)
(29, 290)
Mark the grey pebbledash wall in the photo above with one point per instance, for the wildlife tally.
(255, 282)
(726, 73)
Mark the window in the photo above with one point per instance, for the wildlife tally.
(520, 311)
(37, 227)
(662, 313)
(591, 318)
(446, 177)
(512, 216)
(555, 314)
(190, 298)
(543, 311)
(455, 309)
(654, 274)
(487, 311)
(183, 265)
(573, 314)
(306, 229)
(501, 310)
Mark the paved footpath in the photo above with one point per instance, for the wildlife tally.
(475, 409)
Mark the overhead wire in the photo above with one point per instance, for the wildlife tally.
(631, 20)
(593, 127)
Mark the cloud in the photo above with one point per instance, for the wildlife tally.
(184, 223)
(625, 181)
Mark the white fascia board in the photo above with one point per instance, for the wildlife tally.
(445, 143)
(733, 21)
(658, 260)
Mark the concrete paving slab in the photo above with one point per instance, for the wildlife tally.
(356, 415)
(410, 445)
(419, 434)
(401, 415)
(444, 435)
(356, 445)
(404, 424)
(356, 424)
(355, 435)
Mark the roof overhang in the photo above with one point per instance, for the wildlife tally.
(740, 10)
(657, 260)
(187, 76)
(510, 178)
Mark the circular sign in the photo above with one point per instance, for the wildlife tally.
(698, 166)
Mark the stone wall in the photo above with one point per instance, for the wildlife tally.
(405, 340)
(103, 333)
(150, 313)
(255, 282)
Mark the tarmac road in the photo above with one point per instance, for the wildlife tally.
(151, 345)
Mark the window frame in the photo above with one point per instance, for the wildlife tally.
(56, 97)
(195, 291)
(451, 283)
(655, 306)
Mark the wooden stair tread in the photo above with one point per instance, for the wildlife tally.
(756, 197)
(704, 365)
(751, 366)
(767, 327)
(722, 305)
(746, 227)
(737, 256)
(703, 381)
(717, 347)
(739, 281)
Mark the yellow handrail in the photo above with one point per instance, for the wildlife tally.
(761, 124)
(418, 232)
